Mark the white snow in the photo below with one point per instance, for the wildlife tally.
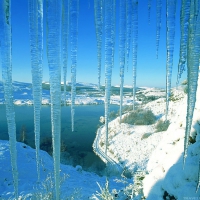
(160, 155)
(77, 179)
(137, 148)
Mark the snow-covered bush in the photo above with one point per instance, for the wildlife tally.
(149, 99)
(46, 190)
(173, 97)
(185, 82)
(104, 193)
(102, 119)
(113, 115)
(146, 135)
(162, 125)
(185, 89)
(140, 117)
(137, 190)
(127, 108)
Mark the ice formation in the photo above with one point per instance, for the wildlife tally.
(109, 57)
(65, 33)
(193, 69)
(198, 184)
(128, 29)
(6, 57)
(122, 48)
(158, 23)
(74, 9)
(189, 53)
(53, 56)
(98, 14)
(185, 13)
(36, 46)
(170, 29)
(135, 45)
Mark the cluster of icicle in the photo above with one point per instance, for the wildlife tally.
(105, 18)
(57, 22)
(58, 25)
(193, 53)
(189, 48)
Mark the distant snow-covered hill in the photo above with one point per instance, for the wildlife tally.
(86, 93)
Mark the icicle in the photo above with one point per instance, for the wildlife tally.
(65, 33)
(196, 7)
(170, 23)
(198, 184)
(128, 29)
(193, 55)
(149, 11)
(158, 24)
(122, 48)
(74, 8)
(98, 13)
(53, 55)
(185, 12)
(36, 46)
(109, 58)
(6, 57)
(114, 26)
(135, 44)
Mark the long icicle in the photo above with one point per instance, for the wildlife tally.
(170, 29)
(53, 55)
(114, 28)
(135, 45)
(36, 46)
(65, 33)
(109, 58)
(128, 29)
(185, 13)
(193, 55)
(98, 13)
(6, 57)
(74, 10)
(122, 48)
(158, 23)
(198, 183)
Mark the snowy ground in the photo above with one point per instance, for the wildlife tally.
(76, 182)
(159, 155)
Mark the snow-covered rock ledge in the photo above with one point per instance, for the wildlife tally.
(127, 145)
(166, 176)
(160, 155)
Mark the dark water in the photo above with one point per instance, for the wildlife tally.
(76, 146)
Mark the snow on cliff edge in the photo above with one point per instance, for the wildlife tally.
(166, 176)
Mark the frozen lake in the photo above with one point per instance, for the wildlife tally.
(76, 146)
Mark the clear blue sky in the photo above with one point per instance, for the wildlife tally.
(150, 71)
